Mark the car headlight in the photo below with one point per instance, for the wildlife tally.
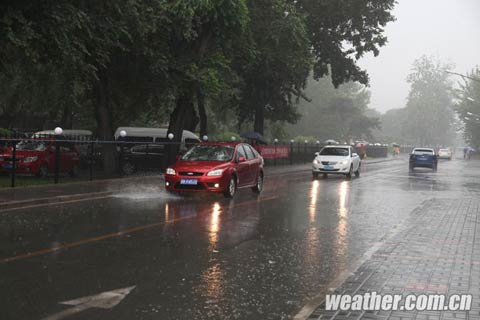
(30, 159)
(170, 171)
(215, 173)
(343, 162)
(316, 161)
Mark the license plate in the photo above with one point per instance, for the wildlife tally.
(7, 166)
(189, 181)
(328, 167)
(422, 158)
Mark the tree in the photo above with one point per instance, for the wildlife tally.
(335, 113)
(429, 110)
(468, 107)
(341, 32)
(277, 65)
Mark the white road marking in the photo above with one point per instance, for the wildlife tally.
(104, 300)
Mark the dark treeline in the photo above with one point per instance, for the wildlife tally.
(100, 64)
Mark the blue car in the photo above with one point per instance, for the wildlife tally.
(423, 158)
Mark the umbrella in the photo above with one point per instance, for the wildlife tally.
(252, 135)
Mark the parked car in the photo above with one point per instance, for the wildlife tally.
(423, 158)
(336, 159)
(143, 157)
(145, 148)
(155, 135)
(38, 157)
(221, 167)
(445, 154)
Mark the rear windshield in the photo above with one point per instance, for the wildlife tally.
(32, 146)
(209, 153)
(422, 151)
(443, 150)
(334, 152)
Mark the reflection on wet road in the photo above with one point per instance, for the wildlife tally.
(201, 257)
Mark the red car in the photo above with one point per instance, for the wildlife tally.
(38, 157)
(221, 167)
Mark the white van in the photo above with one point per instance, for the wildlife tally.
(82, 135)
(154, 135)
(148, 151)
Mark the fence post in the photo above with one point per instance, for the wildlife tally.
(291, 152)
(14, 163)
(146, 160)
(275, 153)
(305, 153)
(57, 161)
(91, 160)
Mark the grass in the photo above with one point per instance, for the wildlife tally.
(25, 181)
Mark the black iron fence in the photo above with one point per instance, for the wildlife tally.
(54, 159)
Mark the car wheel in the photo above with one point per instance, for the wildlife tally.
(74, 171)
(350, 172)
(357, 173)
(315, 175)
(410, 168)
(434, 168)
(231, 189)
(128, 168)
(42, 171)
(259, 186)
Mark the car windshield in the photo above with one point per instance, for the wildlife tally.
(343, 152)
(209, 153)
(32, 146)
(422, 152)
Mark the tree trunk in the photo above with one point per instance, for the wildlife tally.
(202, 113)
(67, 121)
(103, 114)
(259, 118)
(182, 117)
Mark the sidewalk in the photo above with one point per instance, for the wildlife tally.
(438, 252)
(24, 196)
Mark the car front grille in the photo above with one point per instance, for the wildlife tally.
(190, 174)
(329, 162)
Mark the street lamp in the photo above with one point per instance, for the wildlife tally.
(58, 131)
(170, 136)
(123, 133)
(205, 138)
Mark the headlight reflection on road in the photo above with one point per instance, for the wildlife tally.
(342, 196)
(341, 233)
(313, 199)
(214, 223)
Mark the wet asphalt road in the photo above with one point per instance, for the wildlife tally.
(205, 257)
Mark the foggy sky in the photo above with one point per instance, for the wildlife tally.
(445, 29)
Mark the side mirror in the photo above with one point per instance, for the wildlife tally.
(241, 159)
(317, 154)
(354, 155)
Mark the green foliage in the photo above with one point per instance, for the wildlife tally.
(302, 139)
(338, 114)
(342, 32)
(5, 132)
(225, 136)
(468, 107)
(429, 107)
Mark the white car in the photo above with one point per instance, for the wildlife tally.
(445, 154)
(336, 159)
